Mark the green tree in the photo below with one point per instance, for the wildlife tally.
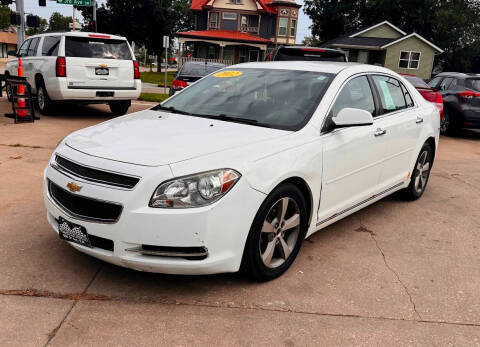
(311, 41)
(41, 29)
(4, 17)
(58, 22)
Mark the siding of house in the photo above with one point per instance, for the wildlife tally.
(247, 5)
(427, 55)
(384, 31)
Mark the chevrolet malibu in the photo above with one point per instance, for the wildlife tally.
(237, 170)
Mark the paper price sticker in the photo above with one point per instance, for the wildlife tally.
(228, 74)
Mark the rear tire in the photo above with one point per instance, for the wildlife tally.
(448, 125)
(119, 107)
(44, 103)
(420, 174)
(276, 234)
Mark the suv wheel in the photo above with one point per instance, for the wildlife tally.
(420, 174)
(43, 101)
(276, 234)
(119, 107)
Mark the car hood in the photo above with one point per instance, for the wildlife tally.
(154, 138)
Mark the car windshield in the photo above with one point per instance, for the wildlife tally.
(282, 99)
(473, 83)
(89, 47)
(308, 54)
(199, 70)
(416, 81)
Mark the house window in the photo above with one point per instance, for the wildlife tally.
(236, 2)
(409, 60)
(3, 52)
(293, 27)
(282, 26)
(213, 20)
(229, 15)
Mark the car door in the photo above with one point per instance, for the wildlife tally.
(400, 123)
(29, 61)
(351, 156)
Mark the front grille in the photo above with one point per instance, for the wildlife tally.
(96, 175)
(85, 208)
(189, 253)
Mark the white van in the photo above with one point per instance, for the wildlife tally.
(79, 66)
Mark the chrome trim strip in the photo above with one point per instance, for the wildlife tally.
(64, 170)
(166, 253)
(359, 204)
(78, 216)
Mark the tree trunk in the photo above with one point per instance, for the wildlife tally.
(159, 61)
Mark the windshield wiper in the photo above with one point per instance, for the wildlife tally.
(226, 118)
(171, 109)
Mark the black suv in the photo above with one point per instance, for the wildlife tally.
(295, 53)
(461, 99)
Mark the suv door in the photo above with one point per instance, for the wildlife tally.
(400, 124)
(351, 156)
(29, 61)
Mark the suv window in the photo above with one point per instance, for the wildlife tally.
(32, 49)
(50, 45)
(391, 94)
(434, 82)
(445, 83)
(23, 48)
(88, 47)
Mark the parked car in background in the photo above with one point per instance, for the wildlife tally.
(79, 66)
(236, 170)
(426, 91)
(191, 72)
(461, 99)
(286, 53)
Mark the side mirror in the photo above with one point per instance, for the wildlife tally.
(349, 117)
(12, 53)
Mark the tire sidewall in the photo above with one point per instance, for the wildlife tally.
(412, 191)
(252, 260)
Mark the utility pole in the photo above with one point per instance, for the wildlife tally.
(94, 16)
(74, 23)
(21, 28)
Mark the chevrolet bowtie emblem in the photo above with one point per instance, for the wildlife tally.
(73, 187)
(103, 65)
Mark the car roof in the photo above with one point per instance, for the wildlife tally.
(315, 66)
(80, 34)
(457, 74)
(322, 49)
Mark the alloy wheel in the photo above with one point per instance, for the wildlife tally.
(41, 98)
(422, 171)
(280, 232)
(445, 123)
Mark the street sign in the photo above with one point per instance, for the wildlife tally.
(78, 26)
(166, 41)
(75, 2)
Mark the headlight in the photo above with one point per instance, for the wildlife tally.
(194, 190)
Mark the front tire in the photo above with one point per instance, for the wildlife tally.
(420, 174)
(276, 234)
(119, 107)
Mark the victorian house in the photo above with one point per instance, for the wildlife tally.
(236, 31)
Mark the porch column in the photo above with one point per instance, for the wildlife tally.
(222, 46)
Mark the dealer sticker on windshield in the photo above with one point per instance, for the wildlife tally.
(228, 74)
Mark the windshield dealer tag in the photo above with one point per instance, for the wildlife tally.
(228, 74)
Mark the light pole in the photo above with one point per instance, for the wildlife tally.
(21, 30)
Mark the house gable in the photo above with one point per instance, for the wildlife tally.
(383, 30)
(246, 5)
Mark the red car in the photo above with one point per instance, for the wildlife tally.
(427, 92)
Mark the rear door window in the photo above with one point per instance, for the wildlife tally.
(32, 48)
(473, 83)
(89, 47)
(391, 94)
(50, 45)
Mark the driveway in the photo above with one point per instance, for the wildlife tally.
(396, 273)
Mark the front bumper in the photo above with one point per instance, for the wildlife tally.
(221, 228)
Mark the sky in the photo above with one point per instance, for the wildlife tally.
(31, 6)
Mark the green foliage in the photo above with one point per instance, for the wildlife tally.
(157, 77)
(41, 29)
(154, 97)
(452, 25)
(311, 41)
(58, 22)
(4, 17)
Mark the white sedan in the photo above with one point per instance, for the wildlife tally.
(238, 169)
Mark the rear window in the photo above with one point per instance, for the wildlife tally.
(89, 47)
(289, 54)
(473, 83)
(417, 81)
(199, 70)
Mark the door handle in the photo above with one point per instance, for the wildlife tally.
(380, 132)
(419, 120)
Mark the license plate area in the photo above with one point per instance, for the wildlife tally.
(102, 71)
(105, 94)
(72, 232)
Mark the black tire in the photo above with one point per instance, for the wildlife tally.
(44, 104)
(448, 124)
(119, 107)
(252, 263)
(412, 192)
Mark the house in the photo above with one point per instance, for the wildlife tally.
(8, 42)
(386, 45)
(236, 31)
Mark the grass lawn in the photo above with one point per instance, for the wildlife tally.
(157, 77)
(155, 97)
